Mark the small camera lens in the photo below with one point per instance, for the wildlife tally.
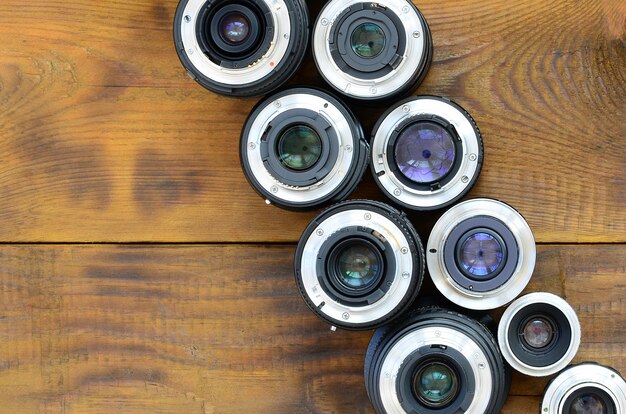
(587, 388)
(359, 264)
(539, 334)
(427, 152)
(241, 47)
(372, 51)
(435, 360)
(302, 149)
(481, 254)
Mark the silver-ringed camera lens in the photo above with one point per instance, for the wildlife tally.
(539, 334)
(372, 50)
(359, 264)
(302, 148)
(481, 254)
(427, 152)
(241, 47)
(587, 388)
(435, 361)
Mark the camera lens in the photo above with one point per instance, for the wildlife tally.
(372, 51)
(481, 254)
(587, 388)
(427, 152)
(435, 360)
(302, 148)
(359, 264)
(539, 334)
(241, 47)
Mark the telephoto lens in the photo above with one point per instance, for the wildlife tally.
(539, 334)
(427, 152)
(435, 361)
(372, 50)
(587, 388)
(481, 254)
(302, 148)
(241, 47)
(359, 264)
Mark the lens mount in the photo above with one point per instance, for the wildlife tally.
(465, 355)
(585, 386)
(427, 152)
(241, 47)
(320, 163)
(372, 51)
(382, 271)
(555, 319)
(513, 267)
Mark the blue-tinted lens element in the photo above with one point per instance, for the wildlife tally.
(481, 255)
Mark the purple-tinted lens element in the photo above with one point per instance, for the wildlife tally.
(481, 255)
(234, 28)
(424, 152)
(588, 404)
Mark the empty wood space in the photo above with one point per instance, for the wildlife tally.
(140, 273)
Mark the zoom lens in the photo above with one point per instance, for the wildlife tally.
(427, 153)
(302, 149)
(359, 264)
(586, 388)
(539, 334)
(435, 361)
(241, 47)
(481, 255)
(372, 51)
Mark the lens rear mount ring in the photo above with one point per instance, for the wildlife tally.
(436, 260)
(585, 375)
(467, 164)
(410, 70)
(567, 350)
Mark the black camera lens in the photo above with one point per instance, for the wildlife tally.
(427, 152)
(435, 361)
(372, 51)
(587, 388)
(241, 47)
(539, 334)
(359, 264)
(302, 149)
(481, 254)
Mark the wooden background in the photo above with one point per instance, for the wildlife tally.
(140, 273)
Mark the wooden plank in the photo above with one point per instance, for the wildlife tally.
(103, 138)
(222, 329)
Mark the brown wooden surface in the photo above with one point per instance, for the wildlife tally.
(103, 139)
(222, 329)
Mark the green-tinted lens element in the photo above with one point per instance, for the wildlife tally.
(435, 384)
(359, 266)
(299, 147)
(368, 40)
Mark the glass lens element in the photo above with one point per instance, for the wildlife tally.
(588, 404)
(299, 147)
(234, 28)
(481, 255)
(368, 40)
(424, 152)
(359, 266)
(538, 333)
(435, 384)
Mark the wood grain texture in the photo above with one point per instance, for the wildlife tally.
(222, 329)
(103, 138)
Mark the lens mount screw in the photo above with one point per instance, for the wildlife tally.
(472, 157)
(277, 104)
(397, 192)
(406, 108)
(405, 9)
(252, 146)
(345, 316)
(187, 18)
(319, 232)
(404, 250)
(367, 216)
(465, 179)
(481, 365)
(416, 34)
(373, 90)
(274, 189)
(348, 148)
(406, 275)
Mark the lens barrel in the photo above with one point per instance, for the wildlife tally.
(359, 264)
(241, 47)
(585, 388)
(481, 254)
(372, 51)
(302, 149)
(427, 152)
(435, 361)
(539, 334)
